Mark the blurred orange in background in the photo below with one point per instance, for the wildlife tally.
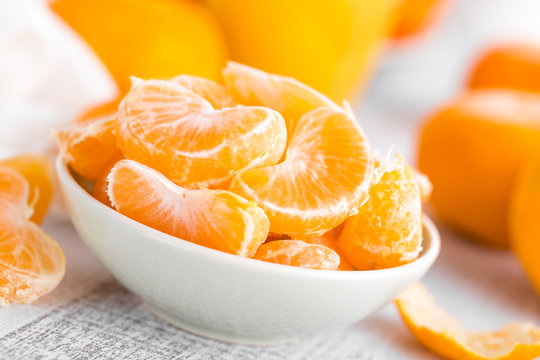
(329, 45)
(147, 38)
(471, 151)
(414, 17)
(508, 66)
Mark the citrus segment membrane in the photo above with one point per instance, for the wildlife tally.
(36, 169)
(387, 231)
(289, 96)
(298, 253)
(166, 126)
(217, 219)
(31, 263)
(324, 178)
(89, 148)
(216, 94)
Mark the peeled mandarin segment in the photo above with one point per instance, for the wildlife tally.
(290, 97)
(508, 66)
(31, 263)
(445, 335)
(99, 111)
(329, 241)
(37, 171)
(298, 253)
(99, 191)
(387, 231)
(216, 94)
(324, 177)
(471, 151)
(173, 130)
(216, 219)
(89, 148)
(524, 215)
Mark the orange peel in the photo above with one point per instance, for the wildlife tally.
(444, 335)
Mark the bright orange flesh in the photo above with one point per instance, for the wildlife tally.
(387, 231)
(471, 151)
(289, 97)
(324, 177)
(298, 253)
(99, 111)
(90, 147)
(328, 240)
(177, 132)
(508, 66)
(31, 263)
(147, 38)
(523, 217)
(99, 191)
(445, 335)
(37, 171)
(217, 219)
(216, 94)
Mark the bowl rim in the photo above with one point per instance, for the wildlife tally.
(427, 257)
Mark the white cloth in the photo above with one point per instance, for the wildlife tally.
(48, 75)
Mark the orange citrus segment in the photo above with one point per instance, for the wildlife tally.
(328, 240)
(324, 177)
(290, 97)
(89, 147)
(99, 191)
(445, 335)
(99, 111)
(31, 263)
(37, 171)
(298, 253)
(213, 218)
(216, 94)
(387, 231)
(177, 132)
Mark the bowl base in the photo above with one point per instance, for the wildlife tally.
(213, 334)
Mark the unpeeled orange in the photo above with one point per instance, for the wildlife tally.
(148, 38)
(471, 150)
(514, 66)
(523, 220)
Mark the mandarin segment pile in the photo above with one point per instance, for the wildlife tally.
(259, 166)
(31, 263)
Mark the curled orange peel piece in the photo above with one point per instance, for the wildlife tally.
(444, 335)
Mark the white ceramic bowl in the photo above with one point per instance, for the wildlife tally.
(228, 297)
